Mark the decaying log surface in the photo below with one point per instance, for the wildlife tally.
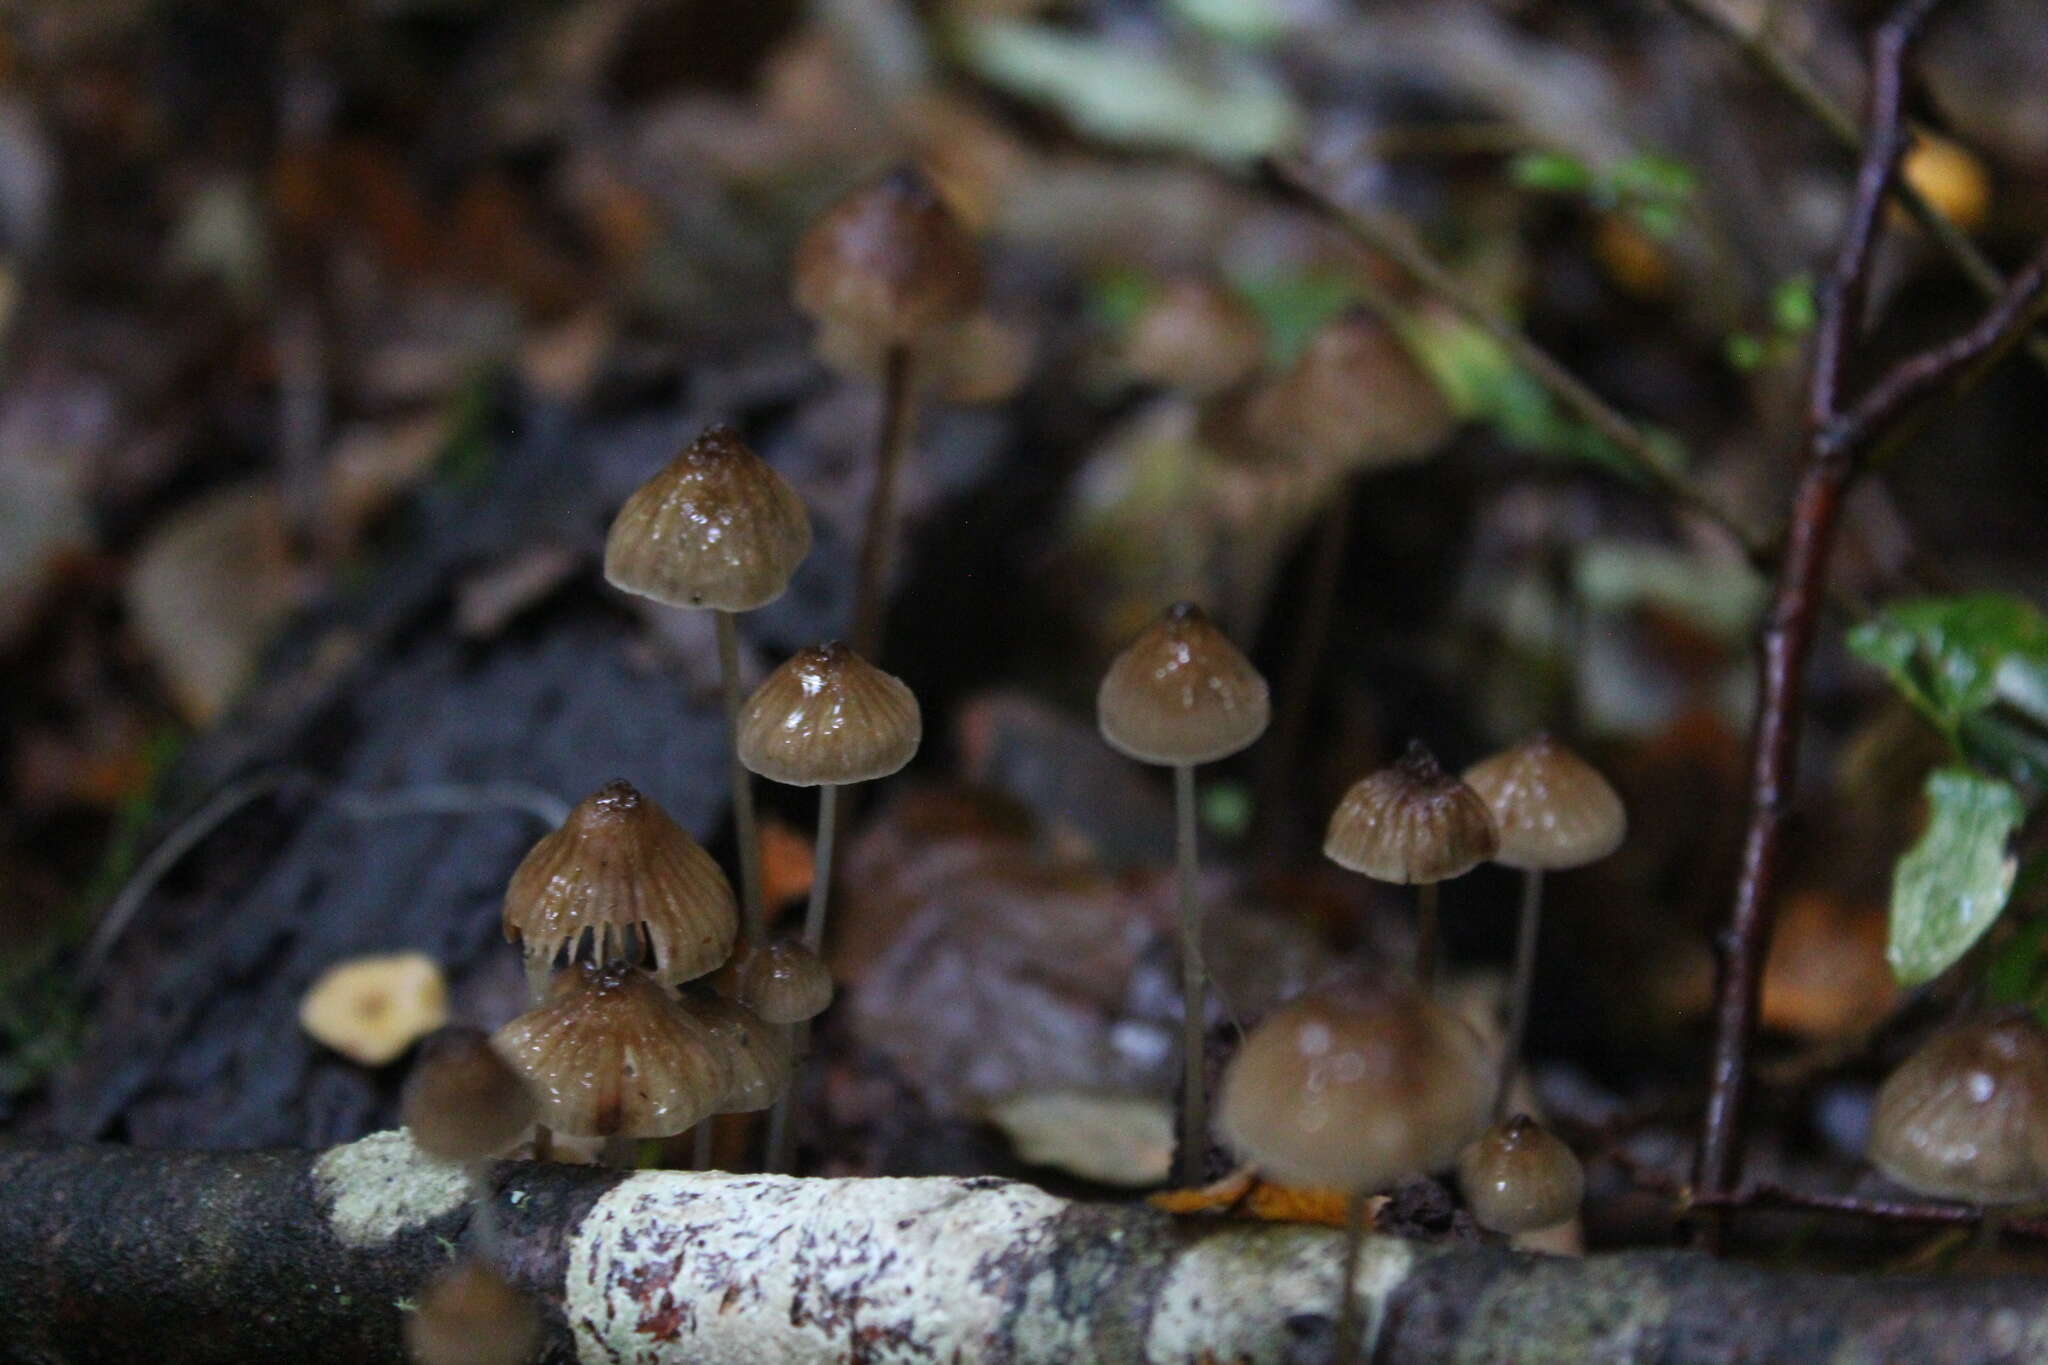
(114, 1253)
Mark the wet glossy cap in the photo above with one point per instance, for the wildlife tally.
(1197, 336)
(890, 261)
(828, 717)
(1411, 822)
(1553, 809)
(1518, 1177)
(469, 1315)
(1355, 1087)
(757, 1054)
(716, 527)
(1966, 1116)
(784, 982)
(462, 1102)
(620, 873)
(1181, 693)
(612, 1053)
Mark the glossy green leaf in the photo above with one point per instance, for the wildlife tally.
(1950, 887)
(1955, 657)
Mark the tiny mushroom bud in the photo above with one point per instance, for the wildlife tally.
(1552, 808)
(890, 261)
(1518, 1177)
(1197, 336)
(757, 1056)
(1354, 1087)
(784, 982)
(828, 717)
(1966, 1116)
(469, 1315)
(371, 1009)
(1181, 693)
(715, 528)
(462, 1102)
(613, 1054)
(1411, 822)
(619, 872)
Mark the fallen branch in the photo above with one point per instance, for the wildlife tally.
(316, 1256)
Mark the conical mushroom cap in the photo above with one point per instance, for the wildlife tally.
(619, 871)
(1354, 1087)
(716, 527)
(1181, 693)
(1966, 1116)
(611, 1053)
(1553, 809)
(784, 982)
(1411, 822)
(828, 717)
(757, 1054)
(889, 261)
(1518, 1177)
(462, 1102)
(1354, 396)
(1197, 336)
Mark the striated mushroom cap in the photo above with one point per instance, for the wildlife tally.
(620, 872)
(757, 1054)
(1411, 822)
(1553, 809)
(1181, 693)
(716, 527)
(1518, 1177)
(784, 982)
(1354, 1087)
(611, 1053)
(1966, 1116)
(890, 261)
(828, 717)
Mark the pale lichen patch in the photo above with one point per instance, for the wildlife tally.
(1232, 1298)
(379, 1187)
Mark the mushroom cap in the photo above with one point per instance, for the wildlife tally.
(370, 1009)
(1411, 822)
(1197, 335)
(784, 982)
(469, 1315)
(612, 1053)
(715, 527)
(828, 717)
(1355, 1086)
(1517, 1177)
(1181, 693)
(1354, 395)
(619, 870)
(1553, 809)
(890, 260)
(757, 1054)
(1966, 1116)
(462, 1102)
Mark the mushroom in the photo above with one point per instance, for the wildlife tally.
(611, 1053)
(784, 981)
(1353, 397)
(1414, 823)
(1966, 1116)
(1197, 336)
(715, 529)
(756, 1053)
(370, 1009)
(469, 1315)
(1517, 1177)
(1554, 811)
(462, 1103)
(826, 718)
(889, 264)
(1354, 1087)
(1182, 694)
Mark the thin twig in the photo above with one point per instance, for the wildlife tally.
(1778, 1197)
(1783, 70)
(1393, 240)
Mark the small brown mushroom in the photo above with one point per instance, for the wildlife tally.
(462, 1103)
(1966, 1116)
(1354, 396)
(1518, 1177)
(783, 981)
(889, 260)
(1197, 336)
(757, 1054)
(469, 1315)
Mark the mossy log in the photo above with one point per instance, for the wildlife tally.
(111, 1253)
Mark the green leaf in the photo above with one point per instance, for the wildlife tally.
(1792, 305)
(1552, 171)
(1955, 657)
(1650, 176)
(1744, 351)
(1949, 888)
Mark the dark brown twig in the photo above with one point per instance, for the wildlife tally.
(1778, 1197)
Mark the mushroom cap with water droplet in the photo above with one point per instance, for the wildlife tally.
(828, 717)
(1553, 809)
(1355, 1086)
(890, 261)
(1518, 1177)
(1411, 822)
(1181, 693)
(714, 528)
(1966, 1116)
(784, 982)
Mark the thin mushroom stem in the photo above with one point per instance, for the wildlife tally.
(1193, 984)
(701, 1150)
(746, 833)
(1525, 977)
(1428, 938)
(1347, 1316)
(898, 411)
(781, 1137)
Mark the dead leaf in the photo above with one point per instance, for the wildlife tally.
(488, 600)
(1112, 1139)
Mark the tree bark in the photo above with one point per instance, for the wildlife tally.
(114, 1253)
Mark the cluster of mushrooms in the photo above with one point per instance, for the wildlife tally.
(659, 999)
